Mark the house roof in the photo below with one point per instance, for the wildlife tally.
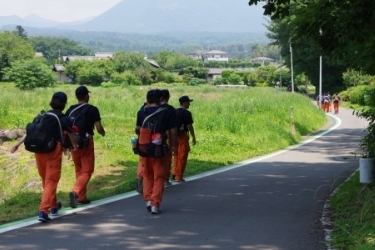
(38, 54)
(58, 68)
(104, 54)
(197, 52)
(214, 71)
(87, 58)
(215, 52)
(153, 63)
(262, 59)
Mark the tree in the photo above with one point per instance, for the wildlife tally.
(90, 75)
(30, 74)
(342, 30)
(20, 31)
(13, 48)
(129, 61)
(73, 67)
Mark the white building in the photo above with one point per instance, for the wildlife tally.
(215, 55)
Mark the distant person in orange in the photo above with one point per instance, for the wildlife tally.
(184, 130)
(326, 103)
(336, 103)
(49, 164)
(84, 157)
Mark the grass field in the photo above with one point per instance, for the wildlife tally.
(231, 125)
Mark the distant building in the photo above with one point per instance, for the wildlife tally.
(72, 58)
(38, 54)
(215, 55)
(213, 73)
(153, 63)
(104, 55)
(197, 55)
(262, 60)
(60, 73)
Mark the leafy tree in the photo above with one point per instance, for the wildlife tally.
(123, 61)
(89, 75)
(30, 74)
(197, 72)
(13, 48)
(73, 67)
(234, 79)
(125, 78)
(20, 31)
(105, 65)
(53, 47)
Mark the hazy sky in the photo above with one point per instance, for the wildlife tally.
(59, 10)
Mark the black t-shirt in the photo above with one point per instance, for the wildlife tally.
(92, 115)
(66, 124)
(187, 118)
(172, 114)
(168, 123)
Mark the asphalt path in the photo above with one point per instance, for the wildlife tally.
(271, 203)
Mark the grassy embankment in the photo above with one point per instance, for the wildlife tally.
(354, 212)
(231, 125)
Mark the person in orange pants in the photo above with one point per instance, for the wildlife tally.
(184, 129)
(155, 169)
(336, 103)
(49, 164)
(84, 156)
(165, 95)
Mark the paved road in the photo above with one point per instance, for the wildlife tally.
(272, 204)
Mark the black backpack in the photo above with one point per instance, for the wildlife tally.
(78, 118)
(41, 133)
(181, 125)
(151, 139)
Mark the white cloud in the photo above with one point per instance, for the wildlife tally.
(59, 10)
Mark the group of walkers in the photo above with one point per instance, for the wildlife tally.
(172, 137)
(326, 101)
(49, 158)
(163, 133)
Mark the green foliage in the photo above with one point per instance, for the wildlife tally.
(73, 67)
(123, 61)
(13, 48)
(194, 82)
(234, 78)
(353, 78)
(89, 75)
(218, 81)
(53, 47)
(226, 73)
(125, 78)
(197, 72)
(31, 74)
(174, 61)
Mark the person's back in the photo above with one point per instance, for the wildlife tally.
(84, 157)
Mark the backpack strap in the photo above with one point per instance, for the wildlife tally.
(76, 108)
(149, 116)
(58, 120)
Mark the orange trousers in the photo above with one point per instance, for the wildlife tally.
(167, 162)
(153, 180)
(181, 156)
(84, 162)
(49, 168)
(336, 107)
(141, 167)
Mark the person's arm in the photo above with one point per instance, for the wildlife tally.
(192, 133)
(172, 135)
(99, 128)
(20, 141)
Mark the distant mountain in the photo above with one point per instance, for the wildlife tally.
(150, 16)
(31, 20)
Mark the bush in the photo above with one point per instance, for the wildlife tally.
(234, 79)
(125, 78)
(31, 74)
(218, 81)
(357, 94)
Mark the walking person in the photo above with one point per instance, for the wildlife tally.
(184, 130)
(336, 103)
(84, 156)
(49, 163)
(165, 95)
(152, 123)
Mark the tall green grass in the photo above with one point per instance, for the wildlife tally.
(231, 125)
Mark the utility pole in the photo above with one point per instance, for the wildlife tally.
(320, 76)
(291, 63)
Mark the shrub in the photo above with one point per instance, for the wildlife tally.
(234, 79)
(30, 74)
(218, 81)
(125, 78)
(357, 94)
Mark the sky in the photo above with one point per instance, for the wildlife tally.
(58, 10)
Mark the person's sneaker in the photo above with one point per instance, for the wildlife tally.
(55, 211)
(83, 202)
(167, 183)
(148, 206)
(43, 217)
(182, 180)
(73, 199)
(139, 185)
(155, 210)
